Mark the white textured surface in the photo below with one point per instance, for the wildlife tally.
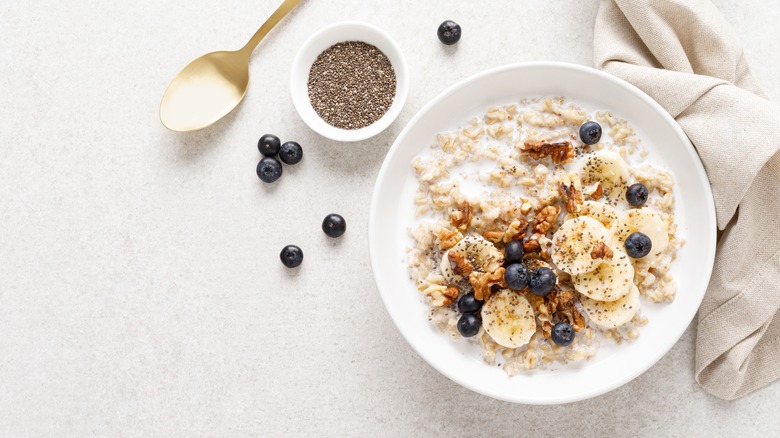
(140, 288)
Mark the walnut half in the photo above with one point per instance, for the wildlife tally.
(460, 264)
(545, 218)
(574, 197)
(515, 231)
(564, 304)
(560, 152)
(452, 293)
(449, 238)
(601, 251)
(460, 218)
(531, 245)
(482, 281)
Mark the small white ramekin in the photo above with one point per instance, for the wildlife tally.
(323, 39)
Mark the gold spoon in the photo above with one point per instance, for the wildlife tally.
(211, 86)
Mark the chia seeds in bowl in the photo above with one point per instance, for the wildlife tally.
(351, 85)
(349, 81)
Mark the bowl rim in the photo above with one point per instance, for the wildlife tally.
(689, 149)
(301, 101)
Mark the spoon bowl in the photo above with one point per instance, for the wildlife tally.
(205, 91)
(211, 86)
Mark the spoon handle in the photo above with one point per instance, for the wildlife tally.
(273, 20)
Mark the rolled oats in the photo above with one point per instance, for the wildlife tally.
(535, 148)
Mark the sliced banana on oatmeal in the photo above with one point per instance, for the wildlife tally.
(608, 168)
(471, 253)
(574, 241)
(509, 318)
(611, 314)
(604, 213)
(645, 222)
(610, 281)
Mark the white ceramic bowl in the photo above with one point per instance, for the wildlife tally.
(392, 212)
(326, 37)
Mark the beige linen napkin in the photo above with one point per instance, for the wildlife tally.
(685, 55)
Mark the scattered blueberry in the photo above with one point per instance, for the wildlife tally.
(334, 225)
(638, 245)
(562, 334)
(291, 153)
(636, 195)
(468, 324)
(292, 256)
(269, 169)
(514, 252)
(516, 276)
(268, 145)
(542, 281)
(449, 32)
(590, 132)
(468, 304)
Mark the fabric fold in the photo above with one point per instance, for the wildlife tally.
(685, 55)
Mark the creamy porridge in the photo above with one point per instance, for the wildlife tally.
(539, 228)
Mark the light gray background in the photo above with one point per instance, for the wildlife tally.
(141, 292)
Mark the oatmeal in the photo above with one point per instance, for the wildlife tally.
(540, 233)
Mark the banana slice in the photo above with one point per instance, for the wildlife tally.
(509, 318)
(573, 242)
(480, 252)
(610, 169)
(615, 313)
(604, 213)
(611, 281)
(645, 222)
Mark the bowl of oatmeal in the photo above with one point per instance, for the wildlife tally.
(542, 233)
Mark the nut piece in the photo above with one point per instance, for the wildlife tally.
(461, 217)
(560, 152)
(598, 193)
(459, 262)
(493, 236)
(452, 293)
(531, 245)
(563, 303)
(547, 329)
(515, 231)
(449, 238)
(481, 281)
(601, 251)
(573, 197)
(436, 292)
(545, 218)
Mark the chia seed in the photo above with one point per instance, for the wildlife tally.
(351, 85)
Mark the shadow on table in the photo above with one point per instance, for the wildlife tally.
(191, 146)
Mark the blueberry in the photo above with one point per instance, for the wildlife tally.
(590, 132)
(542, 281)
(269, 169)
(449, 32)
(562, 334)
(516, 276)
(636, 195)
(638, 245)
(468, 304)
(468, 324)
(514, 252)
(268, 145)
(291, 153)
(292, 256)
(334, 225)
